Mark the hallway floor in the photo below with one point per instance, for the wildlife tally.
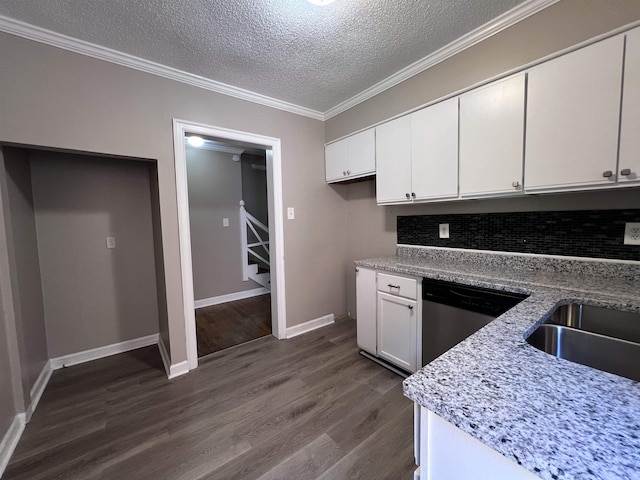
(232, 323)
(306, 408)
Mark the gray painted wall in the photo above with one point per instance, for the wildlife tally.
(94, 296)
(371, 230)
(24, 268)
(8, 408)
(555, 28)
(254, 186)
(215, 191)
(158, 253)
(11, 388)
(55, 98)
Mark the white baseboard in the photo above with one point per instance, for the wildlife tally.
(173, 371)
(101, 352)
(10, 440)
(310, 325)
(38, 389)
(230, 297)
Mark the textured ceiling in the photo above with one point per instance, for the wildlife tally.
(291, 50)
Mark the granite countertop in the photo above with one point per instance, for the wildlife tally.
(558, 419)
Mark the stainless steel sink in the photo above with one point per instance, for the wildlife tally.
(601, 338)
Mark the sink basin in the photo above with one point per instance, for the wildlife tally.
(602, 338)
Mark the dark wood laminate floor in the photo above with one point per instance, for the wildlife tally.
(232, 323)
(306, 408)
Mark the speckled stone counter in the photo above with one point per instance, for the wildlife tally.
(558, 419)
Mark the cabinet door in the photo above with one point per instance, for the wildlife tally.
(434, 151)
(367, 334)
(629, 165)
(335, 160)
(397, 330)
(362, 153)
(573, 109)
(393, 161)
(492, 138)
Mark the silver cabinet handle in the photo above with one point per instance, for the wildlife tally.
(394, 286)
(413, 194)
(607, 173)
(515, 184)
(407, 195)
(410, 307)
(625, 172)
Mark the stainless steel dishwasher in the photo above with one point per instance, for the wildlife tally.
(451, 312)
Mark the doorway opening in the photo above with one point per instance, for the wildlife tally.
(259, 265)
(230, 251)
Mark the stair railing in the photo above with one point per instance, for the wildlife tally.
(249, 223)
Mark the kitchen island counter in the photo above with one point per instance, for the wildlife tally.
(557, 419)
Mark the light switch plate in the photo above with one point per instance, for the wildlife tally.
(111, 242)
(443, 230)
(291, 214)
(632, 233)
(225, 222)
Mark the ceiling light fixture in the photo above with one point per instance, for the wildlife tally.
(195, 141)
(321, 2)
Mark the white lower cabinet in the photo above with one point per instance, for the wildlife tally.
(447, 453)
(397, 330)
(367, 330)
(388, 317)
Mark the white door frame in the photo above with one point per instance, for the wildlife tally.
(276, 224)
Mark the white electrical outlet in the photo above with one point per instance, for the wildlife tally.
(111, 242)
(632, 233)
(225, 222)
(443, 230)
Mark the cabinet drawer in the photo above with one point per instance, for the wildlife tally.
(395, 285)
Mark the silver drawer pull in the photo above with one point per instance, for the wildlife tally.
(515, 184)
(410, 307)
(625, 172)
(394, 286)
(607, 173)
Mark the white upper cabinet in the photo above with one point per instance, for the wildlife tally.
(417, 155)
(492, 138)
(434, 151)
(393, 154)
(629, 164)
(351, 157)
(573, 110)
(336, 157)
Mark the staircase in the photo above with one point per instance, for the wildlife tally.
(255, 249)
(259, 274)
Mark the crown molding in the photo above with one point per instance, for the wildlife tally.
(32, 32)
(507, 19)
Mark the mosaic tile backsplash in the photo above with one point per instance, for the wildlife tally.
(586, 233)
